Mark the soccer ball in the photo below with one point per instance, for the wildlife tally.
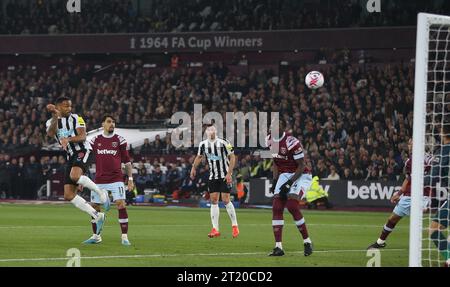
(314, 80)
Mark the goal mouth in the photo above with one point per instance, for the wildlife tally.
(430, 170)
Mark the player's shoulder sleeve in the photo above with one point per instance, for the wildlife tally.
(92, 142)
(201, 148)
(228, 146)
(121, 139)
(122, 142)
(79, 121)
(293, 145)
(123, 148)
(428, 160)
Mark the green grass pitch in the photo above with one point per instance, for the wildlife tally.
(40, 235)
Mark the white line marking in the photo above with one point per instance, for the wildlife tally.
(196, 225)
(180, 255)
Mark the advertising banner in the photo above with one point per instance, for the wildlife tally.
(361, 38)
(342, 193)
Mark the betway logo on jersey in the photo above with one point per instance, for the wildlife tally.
(373, 191)
(275, 155)
(107, 151)
(213, 157)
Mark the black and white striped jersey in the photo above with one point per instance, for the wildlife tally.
(67, 127)
(216, 153)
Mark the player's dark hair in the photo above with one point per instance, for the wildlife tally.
(62, 99)
(108, 116)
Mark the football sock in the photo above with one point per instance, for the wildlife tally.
(88, 183)
(387, 229)
(94, 226)
(123, 220)
(81, 204)
(215, 212)
(277, 219)
(231, 213)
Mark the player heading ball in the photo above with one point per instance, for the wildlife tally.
(291, 179)
(70, 131)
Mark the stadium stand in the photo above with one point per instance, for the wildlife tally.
(358, 125)
(126, 16)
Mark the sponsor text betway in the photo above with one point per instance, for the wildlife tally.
(373, 191)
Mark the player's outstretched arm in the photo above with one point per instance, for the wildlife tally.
(52, 125)
(51, 130)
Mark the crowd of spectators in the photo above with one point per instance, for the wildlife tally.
(51, 17)
(356, 127)
(126, 16)
(21, 177)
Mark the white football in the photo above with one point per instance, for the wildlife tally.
(314, 80)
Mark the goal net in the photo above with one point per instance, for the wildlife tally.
(431, 115)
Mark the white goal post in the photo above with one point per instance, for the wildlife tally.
(430, 101)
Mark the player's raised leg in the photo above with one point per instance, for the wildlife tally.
(278, 205)
(231, 213)
(387, 229)
(95, 238)
(85, 181)
(215, 213)
(402, 207)
(75, 174)
(79, 202)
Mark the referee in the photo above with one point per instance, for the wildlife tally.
(70, 131)
(221, 160)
